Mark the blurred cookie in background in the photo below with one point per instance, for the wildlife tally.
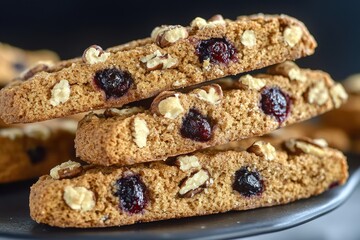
(335, 137)
(347, 117)
(14, 61)
(31, 150)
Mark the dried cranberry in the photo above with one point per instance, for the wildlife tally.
(132, 194)
(217, 50)
(196, 126)
(113, 81)
(248, 183)
(36, 154)
(275, 103)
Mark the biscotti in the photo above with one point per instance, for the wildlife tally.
(31, 151)
(191, 185)
(173, 57)
(348, 116)
(13, 61)
(179, 123)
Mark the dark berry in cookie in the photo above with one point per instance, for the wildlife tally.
(36, 154)
(114, 82)
(248, 183)
(132, 194)
(196, 126)
(217, 50)
(275, 103)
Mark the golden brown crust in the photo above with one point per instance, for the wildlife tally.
(286, 178)
(238, 115)
(270, 42)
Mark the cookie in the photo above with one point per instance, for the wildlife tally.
(348, 116)
(172, 58)
(13, 61)
(32, 150)
(335, 137)
(179, 123)
(198, 184)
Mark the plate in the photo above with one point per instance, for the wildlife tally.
(15, 221)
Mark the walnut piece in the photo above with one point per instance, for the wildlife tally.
(317, 93)
(179, 83)
(167, 104)
(249, 82)
(338, 95)
(186, 163)
(95, 54)
(211, 93)
(288, 69)
(79, 198)
(60, 93)
(167, 35)
(248, 38)
(157, 60)
(304, 145)
(263, 149)
(140, 132)
(200, 23)
(67, 169)
(195, 183)
(292, 35)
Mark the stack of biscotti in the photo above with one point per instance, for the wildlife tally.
(151, 161)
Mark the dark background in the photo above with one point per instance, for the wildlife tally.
(68, 27)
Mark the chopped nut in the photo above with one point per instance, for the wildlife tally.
(198, 22)
(212, 93)
(338, 95)
(167, 104)
(195, 183)
(206, 64)
(140, 132)
(67, 169)
(201, 23)
(79, 198)
(248, 38)
(187, 162)
(60, 93)
(288, 69)
(95, 54)
(157, 60)
(37, 131)
(167, 35)
(304, 145)
(11, 133)
(292, 35)
(112, 112)
(263, 149)
(249, 82)
(317, 93)
(38, 67)
(320, 142)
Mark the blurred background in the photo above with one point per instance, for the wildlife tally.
(69, 27)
